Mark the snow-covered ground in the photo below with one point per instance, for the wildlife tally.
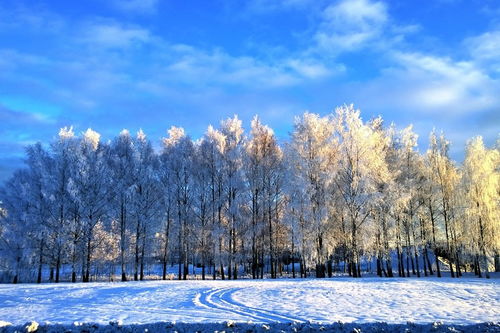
(451, 301)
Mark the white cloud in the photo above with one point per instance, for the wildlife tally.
(136, 6)
(267, 6)
(419, 82)
(35, 18)
(312, 69)
(114, 35)
(199, 67)
(351, 24)
(485, 48)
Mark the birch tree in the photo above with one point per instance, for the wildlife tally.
(361, 169)
(144, 197)
(446, 178)
(58, 178)
(233, 185)
(37, 159)
(122, 165)
(481, 182)
(203, 182)
(211, 149)
(89, 189)
(15, 224)
(264, 174)
(179, 149)
(312, 151)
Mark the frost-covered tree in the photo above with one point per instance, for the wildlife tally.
(58, 176)
(145, 208)
(446, 178)
(204, 210)
(253, 169)
(481, 182)
(264, 178)
(179, 151)
(15, 227)
(430, 196)
(233, 186)
(409, 182)
(90, 190)
(167, 198)
(313, 149)
(37, 159)
(122, 166)
(361, 169)
(386, 210)
(213, 146)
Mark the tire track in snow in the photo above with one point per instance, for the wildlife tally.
(284, 318)
(220, 298)
(211, 299)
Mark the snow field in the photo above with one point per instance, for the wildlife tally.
(326, 301)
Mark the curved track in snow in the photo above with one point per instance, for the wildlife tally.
(221, 299)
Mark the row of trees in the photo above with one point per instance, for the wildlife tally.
(339, 194)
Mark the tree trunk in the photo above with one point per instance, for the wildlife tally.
(58, 265)
(88, 258)
(416, 261)
(401, 263)
(448, 247)
(354, 249)
(292, 259)
(40, 262)
(424, 261)
(433, 222)
(389, 266)
(165, 250)
(16, 275)
(185, 249)
(477, 266)
(136, 252)
(142, 255)
(428, 261)
(483, 248)
(122, 239)
(302, 271)
(379, 266)
(271, 258)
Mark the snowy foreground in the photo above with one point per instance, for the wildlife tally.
(310, 303)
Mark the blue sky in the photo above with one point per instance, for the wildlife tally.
(152, 64)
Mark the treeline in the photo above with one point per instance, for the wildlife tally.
(339, 193)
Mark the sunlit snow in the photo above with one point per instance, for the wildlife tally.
(340, 299)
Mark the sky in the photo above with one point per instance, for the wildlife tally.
(152, 64)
